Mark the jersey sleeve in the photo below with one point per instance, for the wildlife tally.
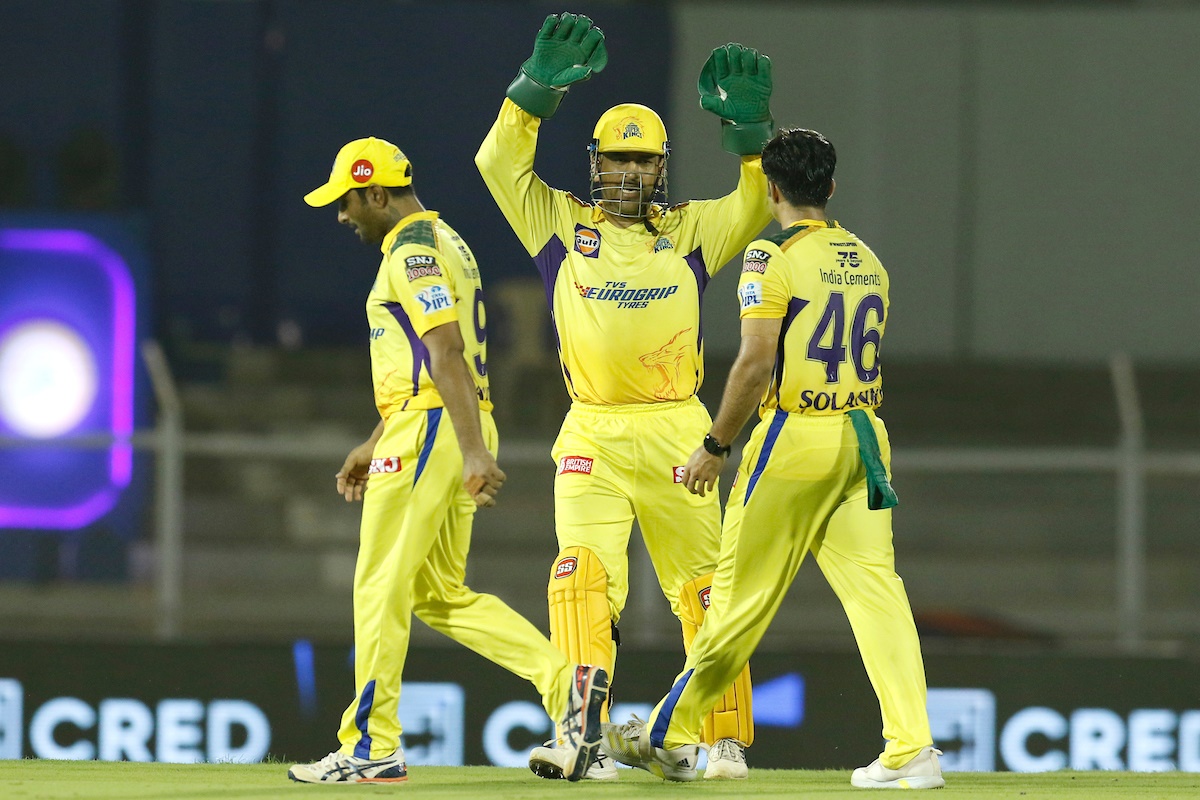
(763, 291)
(423, 285)
(505, 160)
(727, 224)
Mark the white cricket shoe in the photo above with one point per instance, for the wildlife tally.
(549, 760)
(726, 761)
(630, 744)
(339, 768)
(922, 772)
(580, 726)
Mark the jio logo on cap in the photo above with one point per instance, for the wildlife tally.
(362, 170)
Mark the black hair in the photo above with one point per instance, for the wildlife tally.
(801, 163)
(395, 191)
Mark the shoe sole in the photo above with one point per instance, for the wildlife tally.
(544, 769)
(364, 780)
(915, 782)
(594, 693)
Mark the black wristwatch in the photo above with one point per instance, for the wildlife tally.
(714, 447)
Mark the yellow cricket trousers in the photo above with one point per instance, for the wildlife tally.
(415, 533)
(632, 457)
(801, 486)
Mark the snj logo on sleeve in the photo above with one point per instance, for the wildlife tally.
(382, 465)
(756, 261)
(421, 267)
(565, 567)
(362, 170)
(434, 299)
(587, 241)
(750, 293)
(577, 464)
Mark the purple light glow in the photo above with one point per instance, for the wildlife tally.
(66, 518)
(121, 460)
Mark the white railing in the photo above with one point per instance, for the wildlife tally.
(1128, 460)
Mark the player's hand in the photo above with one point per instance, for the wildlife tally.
(482, 478)
(701, 472)
(352, 477)
(735, 84)
(567, 50)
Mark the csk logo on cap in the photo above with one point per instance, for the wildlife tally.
(362, 170)
(628, 128)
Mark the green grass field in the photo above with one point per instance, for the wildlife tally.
(55, 780)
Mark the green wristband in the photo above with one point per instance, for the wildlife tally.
(541, 101)
(744, 138)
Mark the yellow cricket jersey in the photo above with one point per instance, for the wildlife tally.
(625, 303)
(832, 295)
(427, 278)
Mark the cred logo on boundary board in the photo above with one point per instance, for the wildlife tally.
(180, 731)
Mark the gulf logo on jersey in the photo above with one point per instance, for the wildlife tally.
(587, 241)
(362, 170)
(382, 465)
(565, 567)
(577, 464)
(705, 602)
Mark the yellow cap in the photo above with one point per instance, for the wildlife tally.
(359, 163)
(630, 128)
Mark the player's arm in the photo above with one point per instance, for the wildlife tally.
(482, 477)
(748, 380)
(568, 49)
(735, 84)
(352, 477)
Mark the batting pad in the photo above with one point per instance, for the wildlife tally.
(580, 623)
(732, 717)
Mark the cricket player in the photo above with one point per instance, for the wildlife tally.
(427, 325)
(813, 477)
(624, 277)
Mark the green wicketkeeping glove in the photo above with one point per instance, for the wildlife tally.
(568, 49)
(735, 84)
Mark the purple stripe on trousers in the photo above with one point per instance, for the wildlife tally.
(361, 717)
(420, 352)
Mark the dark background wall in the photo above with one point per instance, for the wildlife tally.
(222, 115)
(1024, 170)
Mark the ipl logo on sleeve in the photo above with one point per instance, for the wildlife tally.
(435, 299)
(750, 293)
